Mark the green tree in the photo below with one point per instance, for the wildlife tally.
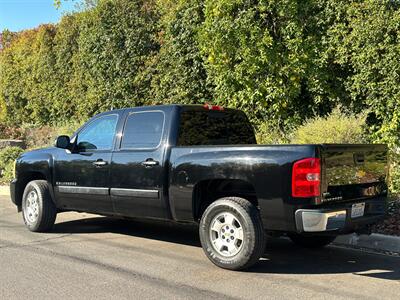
(42, 84)
(116, 40)
(366, 40)
(261, 57)
(15, 72)
(179, 73)
(67, 93)
(3, 110)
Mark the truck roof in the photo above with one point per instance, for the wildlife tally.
(163, 106)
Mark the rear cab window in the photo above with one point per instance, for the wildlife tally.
(143, 130)
(227, 127)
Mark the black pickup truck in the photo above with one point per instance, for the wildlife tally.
(201, 164)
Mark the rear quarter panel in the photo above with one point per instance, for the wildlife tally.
(266, 168)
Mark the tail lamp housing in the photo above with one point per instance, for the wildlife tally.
(306, 178)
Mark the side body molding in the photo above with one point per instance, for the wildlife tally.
(135, 193)
(83, 190)
(106, 191)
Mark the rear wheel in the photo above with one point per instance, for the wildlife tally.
(231, 233)
(317, 241)
(38, 209)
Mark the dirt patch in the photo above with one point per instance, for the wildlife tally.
(391, 225)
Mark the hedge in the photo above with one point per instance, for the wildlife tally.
(281, 61)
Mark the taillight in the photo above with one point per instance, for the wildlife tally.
(213, 107)
(306, 178)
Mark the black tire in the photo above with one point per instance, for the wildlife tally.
(45, 210)
(316, 241)
(253, 236)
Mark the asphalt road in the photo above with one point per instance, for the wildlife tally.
(89, 257)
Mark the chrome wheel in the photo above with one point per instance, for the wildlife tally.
(31, 210)
(226, 234)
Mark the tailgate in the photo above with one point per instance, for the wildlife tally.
(352, 172)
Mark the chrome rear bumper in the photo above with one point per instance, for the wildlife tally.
(311, 220)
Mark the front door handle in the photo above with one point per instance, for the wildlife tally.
(100, 163)
(150, 162)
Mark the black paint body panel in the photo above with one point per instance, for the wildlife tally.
(266, 168)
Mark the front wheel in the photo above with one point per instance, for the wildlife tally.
(316, 241)
(38, 209)
(231, 233)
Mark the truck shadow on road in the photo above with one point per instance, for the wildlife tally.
(281, 256)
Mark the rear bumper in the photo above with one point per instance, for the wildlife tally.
(337, 218)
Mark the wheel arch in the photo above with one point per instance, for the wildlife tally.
(208, 191)
(24, 179)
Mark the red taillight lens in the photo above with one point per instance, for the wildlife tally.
(213, 107)
(306, 178)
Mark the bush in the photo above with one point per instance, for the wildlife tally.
(3, 110)
(394, 172)
(38, 137)
(7, 157)
(268, 134)
(337, 127)
(11, 132)
(180, 76)
(68, 128)
(340, 127)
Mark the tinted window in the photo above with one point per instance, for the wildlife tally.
(215, 128)
(143, 130)
(99, 134)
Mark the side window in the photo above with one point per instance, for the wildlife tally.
(99, 134)
(143, 130)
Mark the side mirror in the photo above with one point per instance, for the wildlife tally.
(62, 142)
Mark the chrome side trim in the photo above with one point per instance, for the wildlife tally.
(134, 193)
(83, 190)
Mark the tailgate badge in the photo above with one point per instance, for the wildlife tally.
(327, 197)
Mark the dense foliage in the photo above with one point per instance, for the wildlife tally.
(179, 75)
(7, 157)
(91, 61)
(282, 61)
(338, 127)
(259, 55)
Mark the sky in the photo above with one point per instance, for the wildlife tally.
(17, 15)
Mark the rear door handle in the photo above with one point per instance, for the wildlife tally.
(100, 163)
(150, 162)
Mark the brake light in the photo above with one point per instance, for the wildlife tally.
(306, 178)
(213, 107)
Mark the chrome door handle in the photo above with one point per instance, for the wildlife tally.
(100, 163)
(150, 163)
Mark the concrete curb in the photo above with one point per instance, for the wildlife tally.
(375, 242)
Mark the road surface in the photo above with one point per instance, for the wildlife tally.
(93, 257)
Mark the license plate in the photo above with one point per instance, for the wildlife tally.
(357, 210)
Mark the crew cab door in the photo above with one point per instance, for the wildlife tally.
(82, 176)
(137, 168)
